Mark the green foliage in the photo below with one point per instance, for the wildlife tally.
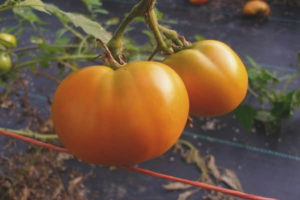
(276, 102)
(199, 37)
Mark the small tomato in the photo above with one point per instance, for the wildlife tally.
(123, 116)
(5, 63)
(214, 75)
(8, 40)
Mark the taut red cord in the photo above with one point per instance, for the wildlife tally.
(145, 171)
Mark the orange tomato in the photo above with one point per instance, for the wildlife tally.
(214, 75)
(125, 116)
(256, 8)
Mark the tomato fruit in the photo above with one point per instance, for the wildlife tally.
(256, 8)
(198, 2)
(5, 63)
(123, 116)
(214, 75)
(8, 40)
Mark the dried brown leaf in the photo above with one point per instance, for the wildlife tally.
(212, 167)
(176, 186)
(230, 178)
(186, 195)
(74, 183)
(25, 193)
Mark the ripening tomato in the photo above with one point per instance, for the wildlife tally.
(256, 8)
(5, 63)
(123, 116)
(8, 40)
(214, 75)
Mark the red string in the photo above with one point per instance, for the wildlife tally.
(145, 171)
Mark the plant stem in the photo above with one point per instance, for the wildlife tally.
(142, 8)
(34, 47)
(151, 19)
(66, 57)
(29, 133)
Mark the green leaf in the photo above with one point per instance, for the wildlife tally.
(283, 107)
(112, 21)
(36, 4)
(88, 26)
(199, 37)
(245, 114)
(78, 20)
(27, 14)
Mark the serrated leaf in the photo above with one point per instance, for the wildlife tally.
(90, 27)
(36, 4)
(78, 20)
(245, 114)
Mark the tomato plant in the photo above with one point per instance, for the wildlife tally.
(256, 8)
(5, 63)
(214, 75)
(126, 116)
(8, 40)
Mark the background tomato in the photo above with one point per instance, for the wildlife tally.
(214, 75)
(5, 62)
(256, 8)
(8, 40)
(120, 117)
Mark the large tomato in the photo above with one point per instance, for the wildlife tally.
(214, 75)
(124, 116)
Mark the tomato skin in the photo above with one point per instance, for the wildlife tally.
(256, 8)
(120, 117)
(5, 63)
(8, 40)
(215, 77)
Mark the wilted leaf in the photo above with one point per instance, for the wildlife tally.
(231, 179)
(212, 167)
(74, 183)
(186, 195)
(176, 186)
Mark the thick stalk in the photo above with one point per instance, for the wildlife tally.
(151, 20)
(115, 45)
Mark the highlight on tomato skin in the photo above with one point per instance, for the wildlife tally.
(256, 8)
(124, 116)
(214, 75)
